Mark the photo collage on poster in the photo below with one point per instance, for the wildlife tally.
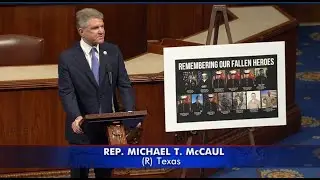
(226, 88)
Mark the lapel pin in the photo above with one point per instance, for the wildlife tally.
(105, 52)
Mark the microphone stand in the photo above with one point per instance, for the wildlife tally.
(108, 69)
(112, 101)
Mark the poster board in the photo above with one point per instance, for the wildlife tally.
(224, 86)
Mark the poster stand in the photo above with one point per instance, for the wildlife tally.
(222, 9)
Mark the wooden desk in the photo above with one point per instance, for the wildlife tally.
(32, 112)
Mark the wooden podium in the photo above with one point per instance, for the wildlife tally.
(121, 128)
(116, 122)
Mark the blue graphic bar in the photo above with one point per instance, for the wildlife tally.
(159, 156)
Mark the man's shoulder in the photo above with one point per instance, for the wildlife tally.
(109, 44)
(67, 54)
(111, 47)
(69, 51)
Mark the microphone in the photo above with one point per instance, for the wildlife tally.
(110, 77)
(109, 70)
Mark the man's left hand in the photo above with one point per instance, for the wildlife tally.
(138, 125)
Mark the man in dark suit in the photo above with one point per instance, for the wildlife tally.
(261, 78)
(89, 73)
(204, 82)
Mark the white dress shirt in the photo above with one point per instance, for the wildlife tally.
(87, 49)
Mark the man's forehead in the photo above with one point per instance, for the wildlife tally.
(95, 22)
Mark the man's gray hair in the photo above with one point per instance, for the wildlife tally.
(84, 15)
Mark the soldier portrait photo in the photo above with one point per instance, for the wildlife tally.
(269, 99)
(184, 104)
(189, 80)
(210, 103)
(203, 80)
(218, 79)
(239, 100)
(197, 103)
(225, 102)
(253, 100)
(247, 79)
(261, 77)
(233, 81)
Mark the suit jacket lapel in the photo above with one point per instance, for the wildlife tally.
(103, 58)
(83, 63)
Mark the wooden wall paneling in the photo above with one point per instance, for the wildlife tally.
(58, 25)
(54, 23)
(125, 26)
(173, 20)
(304, 13)
(31, 117)
(128, 25)
(178, 20)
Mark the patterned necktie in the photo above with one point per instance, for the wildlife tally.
(95, 64)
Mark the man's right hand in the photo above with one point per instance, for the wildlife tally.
(76, 125)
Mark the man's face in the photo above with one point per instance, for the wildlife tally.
(253, 96)
(204, 77)
(94, 32)
(233, 76)
(261, 72)
(246, 75)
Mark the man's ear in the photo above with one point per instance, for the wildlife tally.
(80, 31)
